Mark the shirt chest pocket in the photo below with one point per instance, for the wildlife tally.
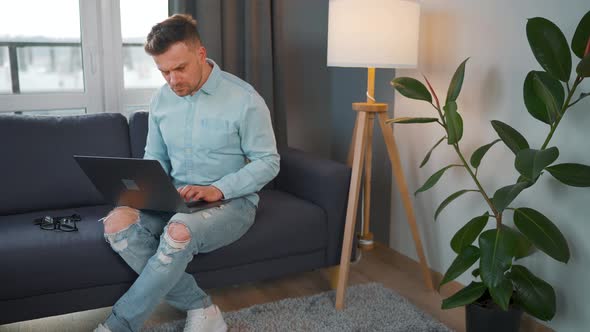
(216, 134)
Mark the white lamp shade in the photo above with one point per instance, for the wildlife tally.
(373, 33)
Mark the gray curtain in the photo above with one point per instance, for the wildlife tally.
(238, 36)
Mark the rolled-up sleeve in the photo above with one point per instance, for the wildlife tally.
(259, 146)
(155, 148)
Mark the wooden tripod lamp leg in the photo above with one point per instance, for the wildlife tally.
(403, 189)
(366, 239)
(351, 148)
(351, 210)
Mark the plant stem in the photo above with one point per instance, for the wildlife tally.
(442, 118)
(562, 112)
(497, 215)
(582, 96)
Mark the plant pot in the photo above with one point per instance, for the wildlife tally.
(491, 318)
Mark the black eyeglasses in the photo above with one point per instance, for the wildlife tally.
(65, 223)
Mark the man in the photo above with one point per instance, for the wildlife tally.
(212, 134)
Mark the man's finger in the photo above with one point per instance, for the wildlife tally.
(190, 190)
(192, 194)
(199, 195)
(184, 189)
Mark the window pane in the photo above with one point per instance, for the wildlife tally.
(5, 85)
(78, 111)
(28, 19)
(47, 46)
(53, 68)
(139, 68)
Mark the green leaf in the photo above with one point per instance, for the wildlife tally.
(543, 233)
(581, 36)
(405, 120)
(411, 88)
(530, 162)
(464, 261)
(534, 295)
(522, 247)
(480, 152)
(454, 123)
(543, 96)
(549, 47)
(512, 138)
(524, 179)
(575, 175)
(427, 157)
(497, 248)
(468, 233)
(465, 296)
(502, 293)
(583, 68)
(505, 195)
(456, 83)
(433, 179)
(448, 200)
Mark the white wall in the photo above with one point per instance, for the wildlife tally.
(493, 34)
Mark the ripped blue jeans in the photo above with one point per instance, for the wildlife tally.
(161, 263)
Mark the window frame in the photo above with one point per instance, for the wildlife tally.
(102, 65)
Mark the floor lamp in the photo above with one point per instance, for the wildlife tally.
(372, 34)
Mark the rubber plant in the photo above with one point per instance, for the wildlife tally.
(548, 95)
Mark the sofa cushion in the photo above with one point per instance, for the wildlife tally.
(42, 262)
(284, 225)
(38, 261)
(138, 128)
(37, 170)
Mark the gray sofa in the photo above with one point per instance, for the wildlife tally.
(299, 223)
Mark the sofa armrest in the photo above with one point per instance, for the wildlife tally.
(320, 181)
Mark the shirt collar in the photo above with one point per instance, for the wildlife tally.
(213, 80)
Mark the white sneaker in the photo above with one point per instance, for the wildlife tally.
(102, 328)
(205, 320)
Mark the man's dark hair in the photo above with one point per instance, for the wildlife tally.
(174, 29)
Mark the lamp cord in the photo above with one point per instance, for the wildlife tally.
(370, 97)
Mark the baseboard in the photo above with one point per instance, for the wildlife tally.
(528, 323)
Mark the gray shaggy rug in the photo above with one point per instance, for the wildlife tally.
(368, 307)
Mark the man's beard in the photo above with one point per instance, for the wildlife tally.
(181, 90)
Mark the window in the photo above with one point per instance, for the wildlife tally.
(5, 83)
(139, 68)
(76, 61)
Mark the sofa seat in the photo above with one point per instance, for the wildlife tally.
(44, 261)
(83, 259)
(274, 234)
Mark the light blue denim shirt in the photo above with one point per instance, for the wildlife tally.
(221, 136)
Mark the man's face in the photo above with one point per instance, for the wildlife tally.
(182, 67)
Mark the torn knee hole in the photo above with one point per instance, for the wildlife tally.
(120, 219)
(178, 235)
(178, 232)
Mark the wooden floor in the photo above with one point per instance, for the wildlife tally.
(381, 264)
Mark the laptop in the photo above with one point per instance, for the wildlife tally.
(138, 183)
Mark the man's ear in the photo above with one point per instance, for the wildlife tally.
(202, 53)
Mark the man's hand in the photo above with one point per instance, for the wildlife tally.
(195, 193)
